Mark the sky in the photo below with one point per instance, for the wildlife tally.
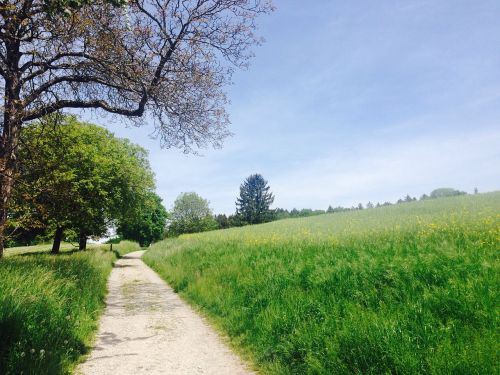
(354, 101)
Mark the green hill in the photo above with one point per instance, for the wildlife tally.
(407, 289)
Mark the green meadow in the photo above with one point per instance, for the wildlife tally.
(404, 289)
(50, 305)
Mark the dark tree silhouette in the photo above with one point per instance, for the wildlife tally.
(254, 202)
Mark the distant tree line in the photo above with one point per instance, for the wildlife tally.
(191, 213)
(236, 220)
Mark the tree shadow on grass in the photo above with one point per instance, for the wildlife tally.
(61, 254)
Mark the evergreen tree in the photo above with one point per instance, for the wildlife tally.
(254, 200)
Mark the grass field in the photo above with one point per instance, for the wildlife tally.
(43, 248)
(49, 306)
(406, 289)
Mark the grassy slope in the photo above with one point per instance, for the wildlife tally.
(49, 307)
(405, 289)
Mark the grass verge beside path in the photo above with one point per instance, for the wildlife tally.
(125, 247)
(50, 306)
(407, 289)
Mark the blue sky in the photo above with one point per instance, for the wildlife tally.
(354, 101)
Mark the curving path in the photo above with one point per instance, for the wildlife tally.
(147, 329)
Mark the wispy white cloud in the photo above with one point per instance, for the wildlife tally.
(386, 170)
(355, 101)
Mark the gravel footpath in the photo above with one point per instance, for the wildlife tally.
(147, 329)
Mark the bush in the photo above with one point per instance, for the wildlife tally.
(446, 192)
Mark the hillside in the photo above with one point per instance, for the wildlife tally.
(404, 289)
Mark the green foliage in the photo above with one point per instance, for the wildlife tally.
(446, 192)
(254, 202)
(77, 176)
(191, 214)
(402, 289)
(125, 247)
(147, 225)
(222, 221)
(281, 213)
(66, 7)
(49, 308)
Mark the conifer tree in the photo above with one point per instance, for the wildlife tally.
(255, 199)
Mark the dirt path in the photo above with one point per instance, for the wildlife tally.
(147, 329)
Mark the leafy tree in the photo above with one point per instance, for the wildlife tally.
(330, 209)
(255, 200)
(77, 176)
(446, 192)
(67, 7)
(191, 214)
(281, 213)
(169, 60)
(236, 221)
(222, 221)
(369, 205)
(476, 191)
(147, 224)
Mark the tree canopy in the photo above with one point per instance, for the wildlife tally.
(170, 60)
(148, 222)
(190, 214)
(446, 192)
(255, 199)
(78, 176)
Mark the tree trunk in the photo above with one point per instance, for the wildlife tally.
(82, 245)
(5, 189)
(56, 246)
(11, 128)
(7, 170)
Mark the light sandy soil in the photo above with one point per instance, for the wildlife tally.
(147, 329)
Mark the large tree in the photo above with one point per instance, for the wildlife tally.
(147, 224)
(78, 176)
(169, 60)
(191, 214)
(255, 199)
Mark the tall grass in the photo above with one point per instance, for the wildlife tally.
(49, 306)
(125, 247)
(408, 289)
